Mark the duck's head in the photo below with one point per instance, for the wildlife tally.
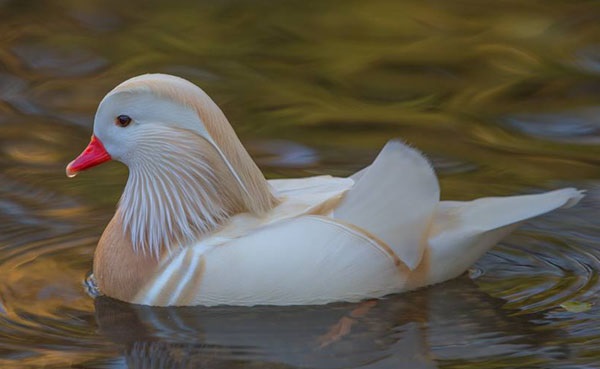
(139, 110)
(181, 152)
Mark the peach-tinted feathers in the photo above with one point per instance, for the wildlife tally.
(259, 198)
(120, 272)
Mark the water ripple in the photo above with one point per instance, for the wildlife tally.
(551, 270)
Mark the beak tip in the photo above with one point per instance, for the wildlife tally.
(70, 172)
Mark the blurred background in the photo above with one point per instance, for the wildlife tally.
(503, 97)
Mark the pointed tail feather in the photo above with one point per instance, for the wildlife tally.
(463, 231)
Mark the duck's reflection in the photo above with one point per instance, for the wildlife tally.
(453, 321)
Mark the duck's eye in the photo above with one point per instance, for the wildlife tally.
(123, 120)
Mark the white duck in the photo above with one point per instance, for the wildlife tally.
(198, 224)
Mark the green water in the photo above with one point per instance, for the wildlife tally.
(503, 97)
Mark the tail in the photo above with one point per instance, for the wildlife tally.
(463, 231)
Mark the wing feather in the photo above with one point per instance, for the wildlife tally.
(394, 199)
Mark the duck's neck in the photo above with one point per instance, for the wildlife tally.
(180, 188)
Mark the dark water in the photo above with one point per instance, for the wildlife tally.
(504, 96)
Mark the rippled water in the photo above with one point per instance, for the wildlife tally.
(503, 96)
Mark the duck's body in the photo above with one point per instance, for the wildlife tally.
(224, 235)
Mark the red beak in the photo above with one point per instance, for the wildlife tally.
(94, 154)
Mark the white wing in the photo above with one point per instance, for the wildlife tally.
(394, 199)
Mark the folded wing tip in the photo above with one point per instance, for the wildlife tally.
(574, 196)
(408, 150)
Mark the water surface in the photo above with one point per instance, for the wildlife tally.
(504, 98)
